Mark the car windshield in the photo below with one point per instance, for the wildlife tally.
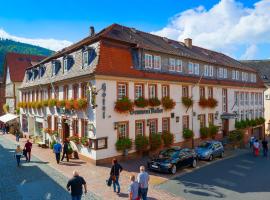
(168, 153)
(205, 145)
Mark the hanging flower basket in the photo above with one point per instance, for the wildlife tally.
(212, 103)
(45, 103)
(153, 102)
(69, 104)
(123, 105)
(141, 102)
(61, 103)
(203, 102)
(82, 104)
(187, 102)
(168, 103)
(52, 102)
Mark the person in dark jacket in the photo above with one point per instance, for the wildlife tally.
(115, 173)
(265, 147)
(28, 148)
(65, 150)
(76, 185)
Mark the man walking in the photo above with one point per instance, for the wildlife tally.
(17, 134)
(57, 148)
(143, 180)
(65, 150)
(28, 148)
(265, 147)
(116, 169)
(75, 184)
(133, 189)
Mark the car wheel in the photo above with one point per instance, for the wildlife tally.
(211, 157)
(222, 154)
(173, 169)
(194, 163)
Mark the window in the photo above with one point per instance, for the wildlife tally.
(65, 92)
(157, 62)
(225, 73)
(242, 115)
(185, 122)
(196, 68)
(246, 116)
(241, 98)
(202, 92)
(153, 126)
(152, 91)
(256, 99)
(185, 91)
(220, 72)
(165, 91)
(49, 93)
(85, 58)
(171, 64)
(49, 122)
(75, 126)
(121, 90)
(166, 124)
(211, 118)
(252, 99)
(260, 99)
(246, 98)
(148, 61)
(251, 114)
(139, 127)
(206, 70)
(83, 90)
(210, 92)
(56, 92)
(244, 76)
(55, 123)
(178, 66)
(122, 130)
(233, 75)
(253, 78)
(190, 68)
(202, 120)
(75, 91)
(139, 91)
(211, 71)
(84, 128)
(55, 67)
(237, 75)
(236, 98)
(37, 95)
(224, 100)
(65, 65)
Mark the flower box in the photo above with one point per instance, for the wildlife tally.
(123, 105)
(168, 103)
(153, 102)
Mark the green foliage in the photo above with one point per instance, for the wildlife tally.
(18, 47)
(123, 144)
(236, 137)
(141, 143)
(155, 141)
(52, 144)
(249, 123)
(141, 102)
(123, 105)
(187, 133)
(167, 138)
(204, 131)
(187, 102)
(212, 130)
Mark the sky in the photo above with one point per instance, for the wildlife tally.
(239, 28)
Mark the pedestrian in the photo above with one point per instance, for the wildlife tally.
(133, 189)
(143, 180)
(115, 173)
(265, 147)
(256, 146)
(75, 184)
(17, 134)
(57, 148)
(28, 148)
(18, 154)
(65, 150)
(251, 141)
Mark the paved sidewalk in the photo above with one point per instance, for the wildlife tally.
(97, 175)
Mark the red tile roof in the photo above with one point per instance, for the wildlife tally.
(17, 63)
(116, 60)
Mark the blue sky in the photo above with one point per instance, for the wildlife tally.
(69, 20)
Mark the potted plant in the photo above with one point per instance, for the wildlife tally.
(85, 141)
(187, 133)
(212, 102)
(168, 103)
(141, 143)
(45, 103)
(69, 104)
(203, 102)
(61, 103)
(204, 132)
(154, 102)
(124, 145)
(76, 104)
(82, 103)
(213, 130)
(123, 105)
(155, 141)
(236, 138)
(75, 138)
(167, 138)
(187, 102)
(52, 102)
(141, 102)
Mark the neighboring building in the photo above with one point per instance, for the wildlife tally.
(2, 96)
(124, 62)
(263, 68)
(15, 65)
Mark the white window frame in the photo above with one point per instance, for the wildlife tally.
(172, 64)
(165, 90)
(178, 65)
(206, 70)
(121, 90)
(138, 91)
(211, 70)
(53, 69)
(153, 126)
(157, 62)
(233, 75)
(65, 65)
(220, 72)
(236, 75)
(190, 67)
(148, 60)
(225, 73)
(123, 130)
(85, 58)
(152, 91)
(196, 68)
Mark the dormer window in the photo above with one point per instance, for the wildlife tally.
(85, 58)
(29, 75)
(67, 63)
(88, 55)
(36, 73)
(56, 65)
(41, 70)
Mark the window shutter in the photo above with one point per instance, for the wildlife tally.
(91, 55)
(70, 62)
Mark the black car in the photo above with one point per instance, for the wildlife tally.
(172, 158)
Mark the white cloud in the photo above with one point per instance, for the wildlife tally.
(52, 44)
(250, 53)
(228, 26)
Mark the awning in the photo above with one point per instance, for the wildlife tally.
(8, 117)
(228, 116)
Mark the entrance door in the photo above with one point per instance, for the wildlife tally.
(225, 127)
(65, 127)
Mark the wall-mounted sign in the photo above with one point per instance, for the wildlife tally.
(148, 111)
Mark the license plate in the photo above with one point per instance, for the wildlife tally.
(154, 166)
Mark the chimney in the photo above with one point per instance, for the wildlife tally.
(92, 31)
(188, 42)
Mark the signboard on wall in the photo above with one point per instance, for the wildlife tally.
(147, 111)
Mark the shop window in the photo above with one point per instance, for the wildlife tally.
(99, 143)
(122, 130)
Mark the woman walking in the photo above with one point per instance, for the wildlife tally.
(256, 146)
(18, 154)
(115, 173)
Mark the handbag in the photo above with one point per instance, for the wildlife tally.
(113, 177)
(109, 182)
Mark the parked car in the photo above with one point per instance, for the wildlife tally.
(210, 150)
(169, 160)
